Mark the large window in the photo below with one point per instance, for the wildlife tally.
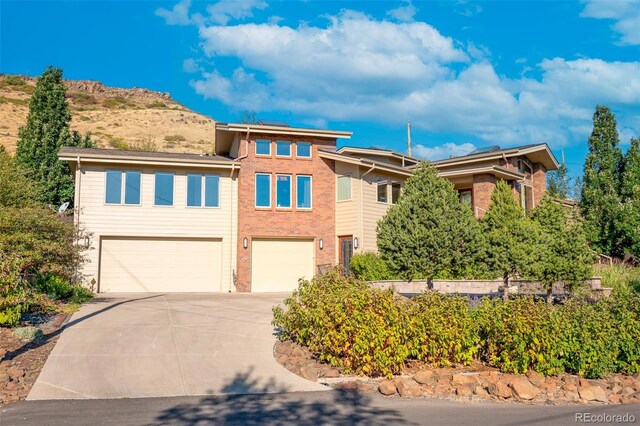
(303, 192)
(303, 149)
(263, 190)
(164, 189)
(283, 191)
(283, 149)
(344, 188)
(263, 147)
(396, 187)
(121, 184)
(203, 188)
(382, 191)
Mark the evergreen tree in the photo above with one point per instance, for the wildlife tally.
(429, 231)
(46, 131)
(557, 182)
(512, 239)
(600, 203)
(566, 256)
(628, 225)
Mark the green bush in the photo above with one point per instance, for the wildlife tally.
(369, 267)
(57, 288)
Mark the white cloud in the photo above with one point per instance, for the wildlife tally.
(179, 15)
(225, 10)
(403, 13)
(191, 66)
(443, 151)
(625, 13)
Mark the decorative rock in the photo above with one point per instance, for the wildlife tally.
(464, 390)
(480, 391)
(535, 378)
(4, 377)
(309, 372)
(571, 396)
(500, 389)
(523, 388)
(463, 379)
(15, 373)
(569, 387)
(616, 388)
(408, 388)
(584, 383)
(387, 388)
(615, 399)
(426, 377)
(593, 393)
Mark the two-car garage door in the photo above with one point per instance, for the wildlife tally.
(277, 264)
(160, 265)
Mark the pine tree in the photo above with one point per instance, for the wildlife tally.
(512, 238)
(628, 224)
(566, 255)
(557, 182)
(46, 131)
(600, 203)
(428, 232)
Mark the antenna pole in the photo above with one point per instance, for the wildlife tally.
(409, 138)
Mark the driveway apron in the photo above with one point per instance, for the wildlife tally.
(148, 345)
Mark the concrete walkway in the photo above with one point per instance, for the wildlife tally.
(150, 345)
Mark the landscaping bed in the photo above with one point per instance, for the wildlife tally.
(474, 382)
(22, 360)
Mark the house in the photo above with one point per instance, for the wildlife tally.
(272, 204)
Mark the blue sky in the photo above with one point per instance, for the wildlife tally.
(466, 74)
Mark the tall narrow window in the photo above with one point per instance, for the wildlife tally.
(283, 191)
(212, 191)
(396, 188)
(132, 187)
(164, 189)
(344, 188)
(382, 191)
(263, 190)
(283, 149)
(114, 187)
(263, 147)
(303, 149)
(194, 190)
(303, 192)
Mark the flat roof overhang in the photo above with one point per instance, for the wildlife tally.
(389, 168)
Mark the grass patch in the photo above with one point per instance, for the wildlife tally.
(83, 99)
(174, 138)
(156, 105)
(117, 103)
(16, 83)
(619, 277)
(19, 102)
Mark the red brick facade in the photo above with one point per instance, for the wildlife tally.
(481, 193)
(317, 223)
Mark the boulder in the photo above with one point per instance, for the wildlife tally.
(593, 393)
(387, 388)
(309, 372)
(616, 388)
(535, 378)
(499, 389)
(15, 373)
(480, 391)
(615, 399)
(426, 377)
(523, 388)
(408, 388)
(463, 379)
(464, 390)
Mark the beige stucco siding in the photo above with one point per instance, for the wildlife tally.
(146, 220)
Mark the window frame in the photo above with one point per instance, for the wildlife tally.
(290, 150)
(310, 192)
(380, 182)
(255, 192)
(290, 206)
(391, 185)
(306, 157)
(203, 191)
(173, 189)
(349, 176)
(255, 150)
(123, 187)
(466, 190)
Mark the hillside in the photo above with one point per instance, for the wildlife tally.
(117, 118)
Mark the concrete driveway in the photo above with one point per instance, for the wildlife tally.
(144, 345)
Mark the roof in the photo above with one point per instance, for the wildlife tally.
(497, 171)
(377, 151)
(365, 162)
(97, 155)
(539, 153)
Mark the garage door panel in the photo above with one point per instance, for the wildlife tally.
(160, 265)
(277, 265)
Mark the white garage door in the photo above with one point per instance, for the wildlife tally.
(276, 265)
(160, 265)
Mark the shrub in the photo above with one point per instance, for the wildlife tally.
(156, 104)
(174, 138)
(442, 331)
(369, 267)
(28, 334)
(57, 288)
(620, 278)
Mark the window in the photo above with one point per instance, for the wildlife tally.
(119, 183)
(465, 197)
(263, 190)
(201, 187)
(396, 187)
(283, 149)
(344, 188)
(303, 149)
(263, 147)
(283, 191)
(164, 189)
(303, 192)
(382, 191)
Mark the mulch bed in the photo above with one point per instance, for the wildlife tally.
(476, 382)
(21, 362)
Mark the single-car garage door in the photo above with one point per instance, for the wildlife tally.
(160, 265)
(276, 265)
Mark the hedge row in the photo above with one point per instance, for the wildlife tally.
(374, 332)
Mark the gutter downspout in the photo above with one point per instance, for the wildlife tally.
(361, 245)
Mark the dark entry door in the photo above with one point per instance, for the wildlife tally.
(346, 251)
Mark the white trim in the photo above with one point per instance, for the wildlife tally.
(173, 189)
(255, 191)
(290, 149)
(203, 191)
(310, 150)
(123, 188)
(124, 194)
(290, 206)
(310, 193)
(255, 148)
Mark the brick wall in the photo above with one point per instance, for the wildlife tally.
(539, 183)
(319, 222)
(482, 189)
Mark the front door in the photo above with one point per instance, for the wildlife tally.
(346, 251)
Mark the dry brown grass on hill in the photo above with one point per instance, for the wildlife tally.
(117, 118)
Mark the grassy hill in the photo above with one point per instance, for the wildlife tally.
(117, 118)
